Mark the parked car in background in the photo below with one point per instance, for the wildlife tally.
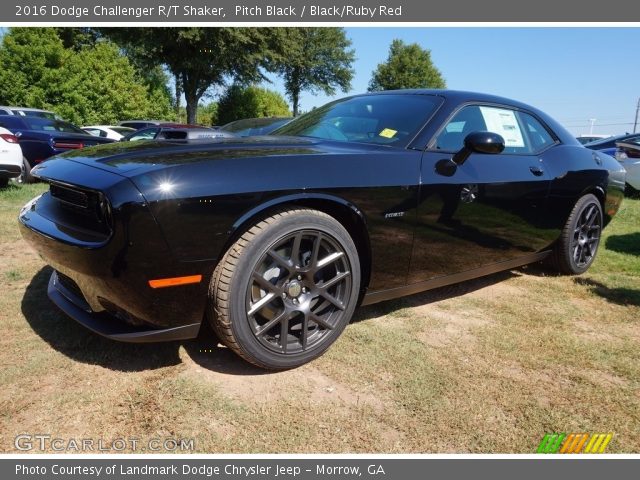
(115, 132)
(41, 138)
(276, 239)
(175, 133)
(608, 145)
(628, 154)
(584, 139)
(255, 126)
(138, 124)
(10, 157)
(28, 112)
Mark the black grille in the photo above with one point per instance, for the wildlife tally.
(83, 208)
(70, 196)
(70, 285)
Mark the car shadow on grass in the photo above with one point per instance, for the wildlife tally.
(209, 353)
(73, 340)
(628, 243)
(620, 296)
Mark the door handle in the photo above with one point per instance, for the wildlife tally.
(536, 170)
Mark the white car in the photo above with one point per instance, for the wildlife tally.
(628, 154)
(108, 131)
(10, 157)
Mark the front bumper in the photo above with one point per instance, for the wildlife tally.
(110, 264)
(108, 325)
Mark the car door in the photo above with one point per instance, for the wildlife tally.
(490, 208)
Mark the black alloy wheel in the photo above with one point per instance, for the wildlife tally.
(286, 289)
(298, 291)
(576, 249)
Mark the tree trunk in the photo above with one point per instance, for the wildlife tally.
(191, 96)
(178, 89)
(295, 97)
(192, 109)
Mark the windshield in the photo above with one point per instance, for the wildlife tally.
(123, 130)
(388, 119)
(49, 125)
(254, 126)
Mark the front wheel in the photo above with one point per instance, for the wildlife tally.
(577, 247)
(286, 289)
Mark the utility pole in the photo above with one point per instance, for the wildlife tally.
(635, 124)
(592, 121)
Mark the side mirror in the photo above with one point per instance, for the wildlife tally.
(479, 142)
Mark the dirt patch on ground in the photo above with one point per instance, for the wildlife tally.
(260, 387)
(451, 328)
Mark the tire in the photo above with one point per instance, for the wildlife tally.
(578, 244)
(4, 182)
(631, 192)
(25, 176)
(279, 309)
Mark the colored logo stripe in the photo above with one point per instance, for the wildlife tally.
(598, 443)
(574, 443)
(551, 443)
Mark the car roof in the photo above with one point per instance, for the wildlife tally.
(25, 109)
(455, 95)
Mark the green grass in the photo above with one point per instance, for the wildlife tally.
(487, 366)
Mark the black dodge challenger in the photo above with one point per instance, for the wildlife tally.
(275, 240)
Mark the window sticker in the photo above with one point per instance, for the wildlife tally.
(504, 123)
(388, 133)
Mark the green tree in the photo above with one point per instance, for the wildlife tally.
(77, 38)
(250, 102)
(98, 85)
(28, 56)
(93, 84)
(408, 66)
(314, 59)
(201, 58)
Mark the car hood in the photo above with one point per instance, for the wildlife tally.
(134, 158)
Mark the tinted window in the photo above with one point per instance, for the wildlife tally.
(505, 122)
(144, 134)
(92, 131)
(254, 126)
(538, 136)
(380, 119)
(122, 130)
(49, 125)
(11, 122)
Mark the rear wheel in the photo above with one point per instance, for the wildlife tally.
(4, 182)
(286, 289)
(577, 247)
(25, 176)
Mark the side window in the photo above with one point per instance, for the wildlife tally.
(539, 136)
(468, 119)
(92, 131)
(146, 134)
(473, 118)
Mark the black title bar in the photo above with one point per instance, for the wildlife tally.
(326, 11)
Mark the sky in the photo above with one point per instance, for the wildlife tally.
(573, 74)
(578, 75)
